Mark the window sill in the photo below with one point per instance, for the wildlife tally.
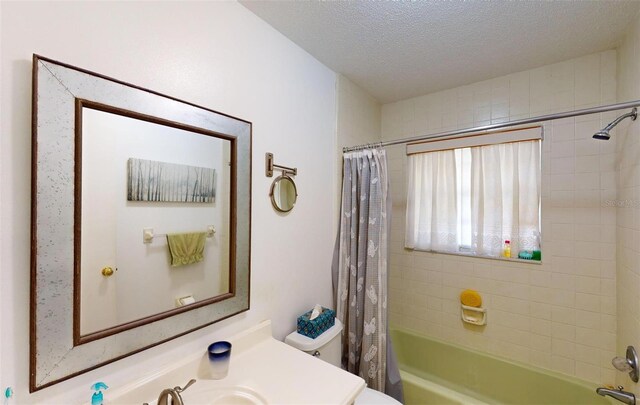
(463, 254)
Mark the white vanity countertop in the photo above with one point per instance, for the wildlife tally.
(278, 372)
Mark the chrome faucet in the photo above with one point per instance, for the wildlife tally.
(174, 394)
(622, 396)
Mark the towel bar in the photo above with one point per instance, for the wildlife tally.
(148, 234)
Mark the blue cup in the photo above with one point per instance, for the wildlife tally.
(219, 357)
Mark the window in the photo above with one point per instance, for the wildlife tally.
(470, 195)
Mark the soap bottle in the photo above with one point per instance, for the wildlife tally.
(537, 254)
(97, 398)
(8, 394)
(506, 252)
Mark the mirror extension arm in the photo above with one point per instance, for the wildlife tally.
(269, 166)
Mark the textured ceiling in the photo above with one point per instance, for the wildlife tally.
(400, 49)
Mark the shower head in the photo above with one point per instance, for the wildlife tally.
(604, 135)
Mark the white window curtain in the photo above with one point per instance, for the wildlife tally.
(505, 197)
(432, 208)
(473, 199)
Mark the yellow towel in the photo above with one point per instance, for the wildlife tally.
(186, 248)
(471, 298)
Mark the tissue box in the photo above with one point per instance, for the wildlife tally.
(314, 328)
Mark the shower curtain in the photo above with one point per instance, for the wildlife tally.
(360, 271)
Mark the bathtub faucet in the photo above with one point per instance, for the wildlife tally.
(622, 396)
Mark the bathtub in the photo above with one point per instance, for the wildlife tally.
(434, 372)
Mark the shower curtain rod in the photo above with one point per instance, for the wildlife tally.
(540, 118)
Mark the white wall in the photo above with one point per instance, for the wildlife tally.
(215, 54)
(359, 120)
(359, 116)
(3, 181)
(560, 315)
(628, 209)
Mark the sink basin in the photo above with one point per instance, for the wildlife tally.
(263, 370)
(236, 395)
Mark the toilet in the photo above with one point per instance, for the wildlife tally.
(327, 347)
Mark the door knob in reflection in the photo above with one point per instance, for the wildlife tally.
(107, 271)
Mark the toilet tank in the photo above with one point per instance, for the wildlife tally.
(326, 347)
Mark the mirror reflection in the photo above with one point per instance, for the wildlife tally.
(283, 193)
(156, 210)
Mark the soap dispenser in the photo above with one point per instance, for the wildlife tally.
(8, 394)
(97, 398)
(506, 250)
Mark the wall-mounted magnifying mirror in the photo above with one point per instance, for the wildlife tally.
(283, 193)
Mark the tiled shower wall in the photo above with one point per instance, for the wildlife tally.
(560, 314)
(628, 207)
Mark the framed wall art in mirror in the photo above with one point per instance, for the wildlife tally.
(141, 207)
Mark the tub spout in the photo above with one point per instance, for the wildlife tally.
(622, 396)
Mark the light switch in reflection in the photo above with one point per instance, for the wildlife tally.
(182, 301)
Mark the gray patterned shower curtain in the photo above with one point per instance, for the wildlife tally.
(360, 271)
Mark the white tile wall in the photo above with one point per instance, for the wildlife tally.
(628, 198)
(561, 314)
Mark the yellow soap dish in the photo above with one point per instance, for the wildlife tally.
(471, 298)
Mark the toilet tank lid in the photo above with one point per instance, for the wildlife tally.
(307, 344)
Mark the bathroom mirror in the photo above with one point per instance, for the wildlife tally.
(115, 169)
(283, 193)
(139, 176)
